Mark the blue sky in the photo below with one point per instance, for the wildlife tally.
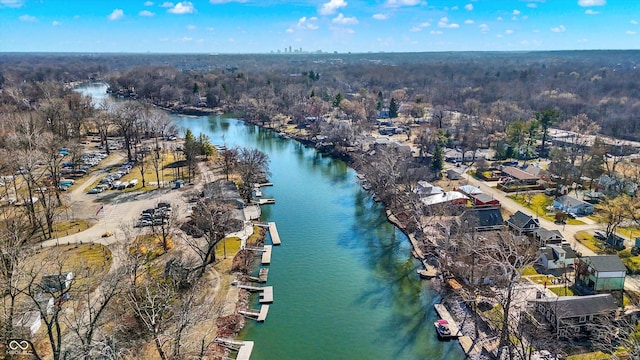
(260, 26)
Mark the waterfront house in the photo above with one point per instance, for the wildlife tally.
(556, 257)
(546, 237)
(572, 205)
(522, 223)
(57, 282)
(573, 316)
(600, 273)
(27, 324)
(448, 198)
(483, 219)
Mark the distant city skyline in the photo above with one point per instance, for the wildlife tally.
(265, 26)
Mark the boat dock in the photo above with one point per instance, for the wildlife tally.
(259, 185)
(266, 201)
(266, 292)
(257, 315)
(243, 348)
(266, 255)
(273, 231)
(261, 278)
(471, 349)
(443, 313)
(257, 192)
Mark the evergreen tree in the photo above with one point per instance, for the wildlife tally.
(337, 100)
(393, 108)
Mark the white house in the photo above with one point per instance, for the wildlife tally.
(556, 257)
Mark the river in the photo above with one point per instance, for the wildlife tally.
(345, 284)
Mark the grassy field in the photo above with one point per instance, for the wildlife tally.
(598, 355)
(66, 227)
(562, 291)
(590, 242)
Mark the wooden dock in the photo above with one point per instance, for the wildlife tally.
(266, 255)
(266, 296)
(243, 348)
(444, 314)
(266, 201)
(264, 273)
(258, 185)
(273, 231)
(470, 349)
(257, 315)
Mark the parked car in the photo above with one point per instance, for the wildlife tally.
(95, 190)
(143, 223)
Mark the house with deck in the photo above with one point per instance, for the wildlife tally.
(547, 237)
(574, 316)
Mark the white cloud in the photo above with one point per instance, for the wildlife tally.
(524, 42)
(532, 5)
(330, 7)
(499, 18)
(11, 3)
(444, 23)
(116, 15)
(630, 32)
(591, 12)
(380, 16)
(148, 3)
(342, 20)
(183, 7)
(419, 27)
(468, 7)
(191, 27)
(515, 12)
(146, 13)
(559, 29)
(592, 2)
(186, 39)
(469, 22)
(508, 32)
(500, 36)
(167, 4)
(307, 23)
(634, 22)
(484, 28)
(226, 1)
(396, 3)
(56, 23)
(28, 18)
(289, 31)
(435, 32)
(455, 8)
(209, 29)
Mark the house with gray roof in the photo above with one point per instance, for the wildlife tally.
(483, 219)
(556, 257)
(573, 316)
(522, 223)
(572, 205)
(600, 273)
(546, 237)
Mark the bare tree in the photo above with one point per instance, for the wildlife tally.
(252, 166)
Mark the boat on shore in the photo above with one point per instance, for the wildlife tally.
(442, 327)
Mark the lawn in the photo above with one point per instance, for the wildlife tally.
(590, 241)
(631, 231)
(562, 291)
(538, 204)
(598, 355)
(529, 270)
(66, 227)
(631, 262)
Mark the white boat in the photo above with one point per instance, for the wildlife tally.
(442, 327)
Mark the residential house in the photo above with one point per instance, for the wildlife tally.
(449, 198)
(28, 324)
(483, 219)
(456, 173)
(57, 282)
(482, 199)
(522, 223)
(572, 205)
(557, 257)
(536, 170)
(425, 188)
(600, 273)
(572, 316)
(548, 237)
(519, 176)
(469, 190)
(614, 186)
